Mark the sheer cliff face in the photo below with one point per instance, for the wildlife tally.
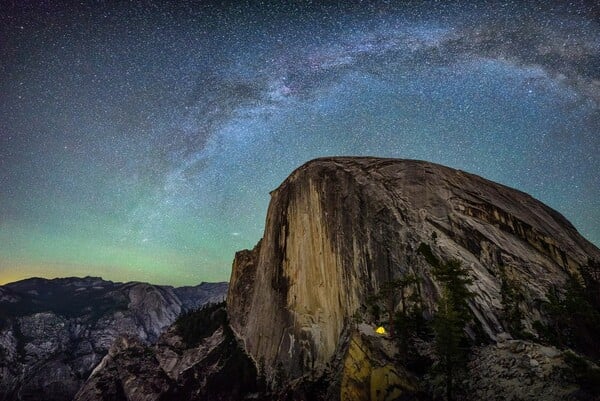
(338, 228)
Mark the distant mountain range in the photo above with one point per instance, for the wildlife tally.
(54, 332)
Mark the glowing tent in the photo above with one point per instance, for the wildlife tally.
(380, 330)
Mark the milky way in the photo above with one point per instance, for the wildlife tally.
(140, 140)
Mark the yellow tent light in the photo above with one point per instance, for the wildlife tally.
(380, 330)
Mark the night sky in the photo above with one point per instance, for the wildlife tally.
(140, 140)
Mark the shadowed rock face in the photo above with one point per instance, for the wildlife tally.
(338, 228)
(214, 369)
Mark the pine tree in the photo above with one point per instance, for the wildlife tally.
(448, 335)
(449, 322)
(389, 295)
(511, 297)
(404, 293)
(409, 318)
(455, 278)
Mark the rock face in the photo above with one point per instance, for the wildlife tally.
(520, 370)
(365, 373)
(54, 332)
(215, 369)
(337, 229)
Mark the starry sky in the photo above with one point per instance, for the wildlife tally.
(139, 140)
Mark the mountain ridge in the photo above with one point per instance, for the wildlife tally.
(53, 332)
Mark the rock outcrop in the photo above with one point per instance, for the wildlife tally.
(300, 305)
(172, 369)
(519, 370)
(54, 332)
(337, 229)
(367, 373)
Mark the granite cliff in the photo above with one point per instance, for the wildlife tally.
(338, 231)
(339, 228)
(54, 332)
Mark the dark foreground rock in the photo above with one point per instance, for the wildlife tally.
(211, 365)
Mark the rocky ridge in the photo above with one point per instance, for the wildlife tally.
(216, 368)
(54, 332)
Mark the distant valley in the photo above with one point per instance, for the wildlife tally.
(53, 333)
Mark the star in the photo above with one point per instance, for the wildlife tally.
(142, 143)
